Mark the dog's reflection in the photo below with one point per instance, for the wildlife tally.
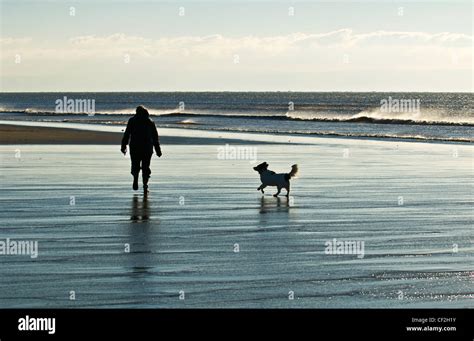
(268, 204)
(140, 210)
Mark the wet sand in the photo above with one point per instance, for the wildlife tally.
(34, 134)
(411, 204)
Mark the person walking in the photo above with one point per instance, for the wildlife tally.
(142, 136)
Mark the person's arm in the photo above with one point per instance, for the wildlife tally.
(126, 137)
(156, 139)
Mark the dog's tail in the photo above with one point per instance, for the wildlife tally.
(293, 172)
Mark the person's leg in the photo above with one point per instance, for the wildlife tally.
(146, 171)
(135, 168)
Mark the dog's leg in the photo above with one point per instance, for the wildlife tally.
(276, 194)
(262, 187)
(288, 190)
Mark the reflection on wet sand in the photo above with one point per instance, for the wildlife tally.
(140, 248)
(140, 211)
(278, 204)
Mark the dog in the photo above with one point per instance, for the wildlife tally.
(270, 178)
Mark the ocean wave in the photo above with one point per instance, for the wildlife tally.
(43, 112)
(358, 118)
(366, 117)
(349, 135)
(314, 133)
(188, 122)
(377, 117)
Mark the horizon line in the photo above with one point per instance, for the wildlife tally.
(242, 91)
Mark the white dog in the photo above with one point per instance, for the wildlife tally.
(280, 180)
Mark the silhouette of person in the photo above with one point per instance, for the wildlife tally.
(142, 136)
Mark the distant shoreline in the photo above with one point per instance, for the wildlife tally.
(11, 134)
(27, 132)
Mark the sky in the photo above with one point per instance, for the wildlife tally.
(110, 45)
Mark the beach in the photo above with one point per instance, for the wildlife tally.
(35, 133)
(205, 238)
(245, 165)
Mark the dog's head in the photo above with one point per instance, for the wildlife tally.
(261, 167)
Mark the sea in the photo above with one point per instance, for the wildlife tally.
(442, 117)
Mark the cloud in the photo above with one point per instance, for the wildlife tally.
(326, 60)
(5, 42)
(387, 38)
(218, 46)
(343, 37)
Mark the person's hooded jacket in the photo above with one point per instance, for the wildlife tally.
(141, 134)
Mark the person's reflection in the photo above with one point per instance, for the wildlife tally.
(140, 247)
(140, 213)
